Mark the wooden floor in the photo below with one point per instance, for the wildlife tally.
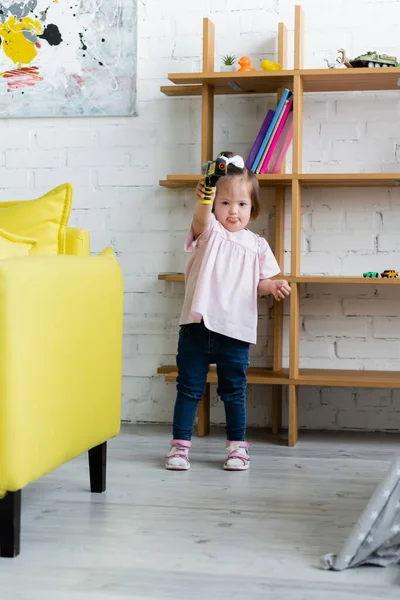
(206, 534)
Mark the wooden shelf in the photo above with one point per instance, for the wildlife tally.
(310, 377)
(257, 376)
(256, 82)
(349, 179)
(306, 180)
(344, 378)
(350, 80)
(175, 277)
(342, 280)
(180, 278)
(181, 90)
(190, 181)
(265, 82)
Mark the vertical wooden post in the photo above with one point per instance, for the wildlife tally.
(298, 90)
(279, 253)
(203, 414)
(207, 153)
(276, 409)
(282, 45)
(207, 128)
(207, 118)
(278, 308)
(296, 229)
(282, 59)
(280, 225)
(208, 46)
(280, 257)
(294, 329)
(293, 433)
(298, 38)
(294, 333)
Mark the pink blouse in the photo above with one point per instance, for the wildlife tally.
(222, 277)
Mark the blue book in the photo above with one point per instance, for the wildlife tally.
(286, 94)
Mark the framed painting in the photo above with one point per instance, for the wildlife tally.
(68, 58)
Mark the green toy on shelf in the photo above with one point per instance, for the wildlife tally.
(371, 274)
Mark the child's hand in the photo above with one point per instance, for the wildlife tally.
(280, 289)
(200, 191)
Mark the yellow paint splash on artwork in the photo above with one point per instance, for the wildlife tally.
(14, 43)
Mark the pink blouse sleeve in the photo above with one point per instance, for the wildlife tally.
(191, 243)
(268, 265)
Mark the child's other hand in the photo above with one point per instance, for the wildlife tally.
(280, 289)
(200, 191)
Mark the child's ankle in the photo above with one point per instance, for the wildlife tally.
(238, 456)
(178, 457)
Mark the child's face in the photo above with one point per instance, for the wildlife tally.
(232, 205)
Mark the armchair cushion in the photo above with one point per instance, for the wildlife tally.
(44, 219)
(12, 245)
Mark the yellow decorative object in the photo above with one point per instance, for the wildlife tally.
(269, 65)
(16, 45)
(12, 245)
(44, 219)
(60, 359)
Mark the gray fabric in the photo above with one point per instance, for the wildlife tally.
(375, 538)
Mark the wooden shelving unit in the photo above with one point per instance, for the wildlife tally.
(209, 83)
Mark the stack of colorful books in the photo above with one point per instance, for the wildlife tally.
(274, 138)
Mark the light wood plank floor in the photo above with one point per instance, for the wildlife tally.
(206, 534)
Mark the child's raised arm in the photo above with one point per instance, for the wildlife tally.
(202, 210)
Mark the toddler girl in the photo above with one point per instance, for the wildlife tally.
(228, 268)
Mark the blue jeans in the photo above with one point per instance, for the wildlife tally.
(197, 349)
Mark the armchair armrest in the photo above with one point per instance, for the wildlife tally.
(77, 241)
(60, 361)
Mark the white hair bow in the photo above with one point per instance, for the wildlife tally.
(236, 160)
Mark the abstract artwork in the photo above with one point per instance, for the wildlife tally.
(67, 58)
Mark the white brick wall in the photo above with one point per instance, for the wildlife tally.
(115, 165)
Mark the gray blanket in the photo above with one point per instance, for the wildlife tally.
(375, 538)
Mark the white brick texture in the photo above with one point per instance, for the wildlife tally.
(115, 165)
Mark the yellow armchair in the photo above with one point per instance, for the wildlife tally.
(60, 369)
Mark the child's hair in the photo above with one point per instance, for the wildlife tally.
(248, 176)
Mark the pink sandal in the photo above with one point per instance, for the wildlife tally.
(178, 457)
(238, 456)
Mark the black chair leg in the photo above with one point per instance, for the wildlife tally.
(98, 467)
(10, 524)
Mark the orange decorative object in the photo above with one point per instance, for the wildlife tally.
(245, 64)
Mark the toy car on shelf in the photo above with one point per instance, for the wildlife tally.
(390, 273)
(371, 274)
(373, 59)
